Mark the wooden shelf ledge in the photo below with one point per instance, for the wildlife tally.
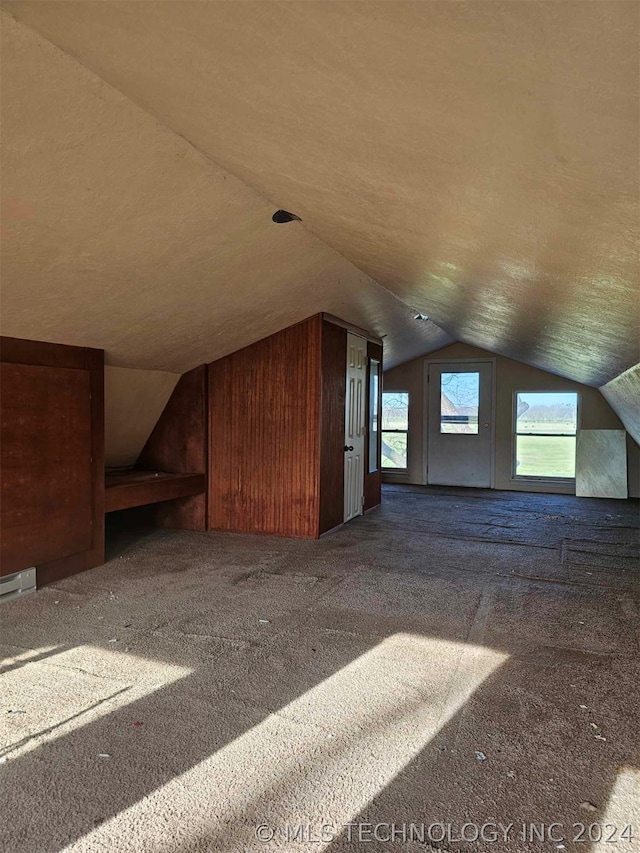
(125, 489)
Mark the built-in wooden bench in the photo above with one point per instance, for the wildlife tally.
(125, 489)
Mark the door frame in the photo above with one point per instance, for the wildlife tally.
(364, 437)
(425, 411)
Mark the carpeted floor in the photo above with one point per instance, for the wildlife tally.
(453, 661)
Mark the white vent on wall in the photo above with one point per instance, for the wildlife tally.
(19, 583)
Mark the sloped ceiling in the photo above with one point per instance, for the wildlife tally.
(476, 159)
(623, 395)
(118, 234)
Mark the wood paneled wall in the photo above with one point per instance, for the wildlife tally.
(178, 444)
(276, 435)
(51, 458)
(265, 425)
(264, 447)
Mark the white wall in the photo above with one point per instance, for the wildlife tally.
(133, 402)
(511, 376)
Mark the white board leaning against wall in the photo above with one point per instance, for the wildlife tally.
(601, 463)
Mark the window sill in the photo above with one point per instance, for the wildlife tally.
(561, 481)
(540, 485)
(400, 473)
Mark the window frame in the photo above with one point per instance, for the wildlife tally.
(374, 414)
(383, 468)
(515, 434)
(441, 417)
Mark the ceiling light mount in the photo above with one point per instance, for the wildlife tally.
(281, 216)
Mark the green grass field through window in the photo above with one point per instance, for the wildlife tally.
(545, 455)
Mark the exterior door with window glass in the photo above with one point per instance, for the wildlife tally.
(460, 431)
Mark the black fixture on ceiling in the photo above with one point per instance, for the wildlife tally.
(284, 216)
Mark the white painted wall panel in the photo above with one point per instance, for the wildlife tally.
(133, 402)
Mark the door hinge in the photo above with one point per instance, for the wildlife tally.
(362, 501)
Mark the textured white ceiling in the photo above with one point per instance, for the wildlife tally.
(118, 234)
(623, 395)
(478, 160)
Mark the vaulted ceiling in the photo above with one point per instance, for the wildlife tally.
(473, 161)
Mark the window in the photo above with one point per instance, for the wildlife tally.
(395, 426)
(459, 400)
(545, 434)
(374, 379)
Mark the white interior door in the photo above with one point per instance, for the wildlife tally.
(354, 427)
(460, 429)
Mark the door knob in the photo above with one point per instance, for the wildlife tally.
(486, 426)
(348, 447)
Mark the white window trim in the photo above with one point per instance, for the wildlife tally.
(527, 478)
(401, 472)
